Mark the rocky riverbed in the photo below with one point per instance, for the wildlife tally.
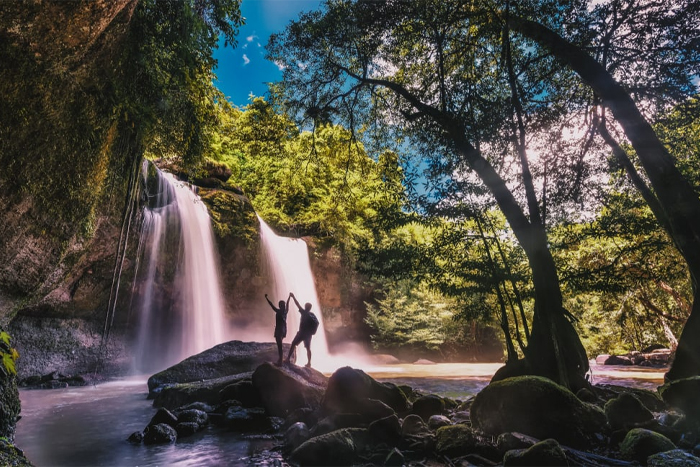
(350, 418)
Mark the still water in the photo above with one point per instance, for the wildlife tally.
(88, 426)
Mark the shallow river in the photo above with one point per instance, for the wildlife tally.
(88, 426)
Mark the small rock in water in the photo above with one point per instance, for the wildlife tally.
(159, 434)
(136, 437)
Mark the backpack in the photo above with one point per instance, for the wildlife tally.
(312, 323)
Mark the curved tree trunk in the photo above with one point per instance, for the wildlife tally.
(675, 194)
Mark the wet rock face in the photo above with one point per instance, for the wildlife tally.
(9, 405)
(229, 358)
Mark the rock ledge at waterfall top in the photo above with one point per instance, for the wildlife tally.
(229, 358)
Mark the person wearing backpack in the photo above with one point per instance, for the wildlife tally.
(280, 324)
(307, 328)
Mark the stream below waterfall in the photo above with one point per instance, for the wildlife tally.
(88, 426)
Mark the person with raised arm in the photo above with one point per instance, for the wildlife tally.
(280, 324)
(307, 328)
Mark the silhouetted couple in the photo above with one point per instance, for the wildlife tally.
(307, 327)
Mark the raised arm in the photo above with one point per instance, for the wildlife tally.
(296, 301)
(288, 298)
(273, 306)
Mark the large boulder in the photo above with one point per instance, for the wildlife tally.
(538, 407)
(208, 391)
(348, 387)
(289, 387)
(641, 443)
(229, 358)
(683, 395)
(455, 440)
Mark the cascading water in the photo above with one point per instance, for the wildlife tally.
(180, 304)
(288, 265)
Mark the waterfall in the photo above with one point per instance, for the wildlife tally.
(288, 264)
(179, 300)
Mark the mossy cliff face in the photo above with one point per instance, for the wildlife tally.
(65, 162)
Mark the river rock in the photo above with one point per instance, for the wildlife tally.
(385, 430)
(625, 411)
(455, 440)
(413, 425)
(163, 415)
(683, 395)
(159, 434)
(246, 419)
(337, 421)
(242, 391)
(641, 443)
(347, 387)
(650, 399)
(512, 441)
(11, 455)
(305, 414)
(223, 360)
(208, 392)
(186, 429)
(289, 387)
(427, 406)
(295, 435)
(193, 416)
(335, 448)
(673, 458)
(373, 409)
(544, 453)
(537, 407)
(438, 421)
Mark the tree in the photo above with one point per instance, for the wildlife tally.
(434, 69)
(678, 201)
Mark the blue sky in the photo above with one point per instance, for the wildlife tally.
(244, 70)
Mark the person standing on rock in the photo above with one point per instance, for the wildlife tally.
(307, 328)
(280, 324)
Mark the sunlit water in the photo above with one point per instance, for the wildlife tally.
(89, 426)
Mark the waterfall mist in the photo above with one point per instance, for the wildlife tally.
(178, 293)
(287, 261)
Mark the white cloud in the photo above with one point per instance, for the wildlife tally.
(280, 66)
(251, 38)
(246, 60)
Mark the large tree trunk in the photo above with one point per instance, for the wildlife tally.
(675, 194)
(554, 349)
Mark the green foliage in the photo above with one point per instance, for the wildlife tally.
(8, 353)
(320, 183)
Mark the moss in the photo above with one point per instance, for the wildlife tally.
(454, 440)
(232, 215)
(547, 452)
(641, 443)
(538, 407)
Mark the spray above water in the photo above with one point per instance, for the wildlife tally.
(180, 304)
(288, 266)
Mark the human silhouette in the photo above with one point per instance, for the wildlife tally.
(280, 324)
(307, 328)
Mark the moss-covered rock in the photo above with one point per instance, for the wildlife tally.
(673, 458)
(455, 440)
(335, 448)
(641, 443)
(626, 410)
(208, 391)
(682, 394)
(544, 453)
(11, 455)
(538, 407)
(347, 387)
